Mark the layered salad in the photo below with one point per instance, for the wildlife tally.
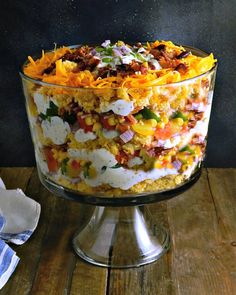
(119, 119)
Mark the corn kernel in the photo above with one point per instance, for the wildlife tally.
(143, 129)
(167, 158)
(129, 148)
(198, 151)
(161, 125)
(88, 120)
(190, 160)
(164, 119)
(97, 127)
(152, 122)
(92, 172)
(114, 150)
(178, 121)
(112, 121)
(157, 164)
(185, 167)
(172, 153)
(169, 165)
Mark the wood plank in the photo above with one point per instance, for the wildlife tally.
(22, 280)
(195, 232)
(16, 177)
(150, 279)
(58, 261)
(223, 189)
(88, 279)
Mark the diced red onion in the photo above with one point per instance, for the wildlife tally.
(93, 51)
(161, 142)
(127, 136)
(177, 164)
(117, 52)
(75, 180)
(106, 43)
(125, 49)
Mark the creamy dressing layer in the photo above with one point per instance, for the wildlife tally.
(120, 107)
(56, 129)
(82, 136)
(116, 177)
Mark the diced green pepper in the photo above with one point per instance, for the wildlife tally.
(64, 165)
(86, 170)
(187, 149)
(148, 114)
(179, 114)
(138, 116)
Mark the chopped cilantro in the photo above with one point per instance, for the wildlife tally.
(69, 117)
(50, 112)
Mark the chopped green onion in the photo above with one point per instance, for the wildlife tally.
(107, 59)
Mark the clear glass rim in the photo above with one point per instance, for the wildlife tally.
(46, 84)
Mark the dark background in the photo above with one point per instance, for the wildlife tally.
(28, 26)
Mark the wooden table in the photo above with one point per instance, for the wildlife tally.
(202, 259)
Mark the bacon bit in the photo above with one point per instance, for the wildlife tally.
(123, 127)
(131, 119)
(143, 70)
(183, 54)
(161, 47)
(181, 68)
(122, 157)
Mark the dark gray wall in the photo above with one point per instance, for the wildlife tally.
(27, 26)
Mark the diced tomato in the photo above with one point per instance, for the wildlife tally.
(164, 133)
(105, 124)
(123, 127)
(131, 119)
(52, 163)
(83, 125)
(73, 168)
(75, 164)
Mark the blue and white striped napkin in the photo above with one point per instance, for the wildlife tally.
(19, 217)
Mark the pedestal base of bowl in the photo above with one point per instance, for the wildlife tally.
(121, 237)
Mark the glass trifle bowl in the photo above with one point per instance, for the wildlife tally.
(120, 145)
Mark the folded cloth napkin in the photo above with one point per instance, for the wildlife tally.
(19, 217)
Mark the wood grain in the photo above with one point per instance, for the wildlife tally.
(200, 262)
(195, 232)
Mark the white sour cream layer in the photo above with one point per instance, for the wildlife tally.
(116, 177)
